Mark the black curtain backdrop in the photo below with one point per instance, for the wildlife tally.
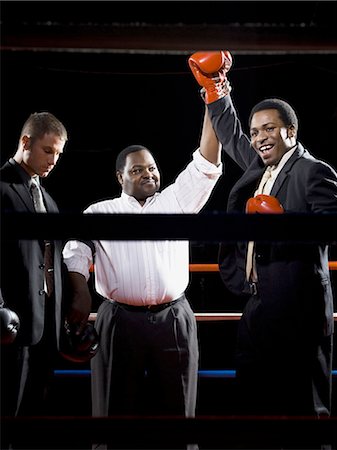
(108, 100)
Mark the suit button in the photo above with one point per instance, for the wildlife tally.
(41, 292)
(41, 266)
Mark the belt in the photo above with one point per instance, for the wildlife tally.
(149, 308)
(253, 287)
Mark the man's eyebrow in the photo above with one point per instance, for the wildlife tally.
(264, 125)
(142, 165)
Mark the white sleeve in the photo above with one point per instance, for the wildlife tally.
(78, 257)
(204, 166)
(194, 185)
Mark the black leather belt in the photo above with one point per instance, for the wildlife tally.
(253, 288)
(149, 308)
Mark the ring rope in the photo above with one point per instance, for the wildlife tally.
(209, 317)
(215, 267)
(216, 316)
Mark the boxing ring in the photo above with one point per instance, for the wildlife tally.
(170, 432)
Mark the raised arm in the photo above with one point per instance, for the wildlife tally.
(210, 70)
(210, 147)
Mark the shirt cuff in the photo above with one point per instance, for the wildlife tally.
(204, 165)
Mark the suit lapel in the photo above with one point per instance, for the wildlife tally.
(22, 191)
(49, 202)
(283, 175)
(250, 178)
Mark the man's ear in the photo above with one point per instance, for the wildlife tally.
(119, 176)
(291, 131)
(25, 142)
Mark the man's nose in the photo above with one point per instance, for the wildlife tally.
(147, 173)
(262, 136)
(52, 159)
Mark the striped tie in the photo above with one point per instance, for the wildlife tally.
(37, 197)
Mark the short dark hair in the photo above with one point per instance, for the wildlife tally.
(40, 123)
(286, 112)
(122, 155)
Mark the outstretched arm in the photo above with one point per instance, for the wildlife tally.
(210, 70)
(210, 147)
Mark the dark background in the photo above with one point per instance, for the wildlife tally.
(116, 73)
(82, 61)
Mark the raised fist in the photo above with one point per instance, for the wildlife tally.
(9, 325)
(264, 204)
(210, 69)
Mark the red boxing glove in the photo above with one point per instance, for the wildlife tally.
(209, 69)
(264, 204)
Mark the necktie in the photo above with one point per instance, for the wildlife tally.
(48, 247)
(37, 197)
(250, 249)
(266, 176)
(48, 267)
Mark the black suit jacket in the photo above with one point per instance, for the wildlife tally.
(22, 272)
(294, 279)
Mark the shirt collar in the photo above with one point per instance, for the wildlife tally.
(132, 199)
(277, 168)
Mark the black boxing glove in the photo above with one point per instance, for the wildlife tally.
(79, 348)
(9, 325)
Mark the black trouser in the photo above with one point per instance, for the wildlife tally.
(145, 348)
(277, 375)
(26, 375)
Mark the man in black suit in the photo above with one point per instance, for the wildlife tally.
(284, 347)
(27, 288)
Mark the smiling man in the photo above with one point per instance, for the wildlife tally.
(273, 130)
(145, 323)
(137, 173)
(284, 346)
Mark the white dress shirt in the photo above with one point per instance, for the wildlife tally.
(146, 272)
